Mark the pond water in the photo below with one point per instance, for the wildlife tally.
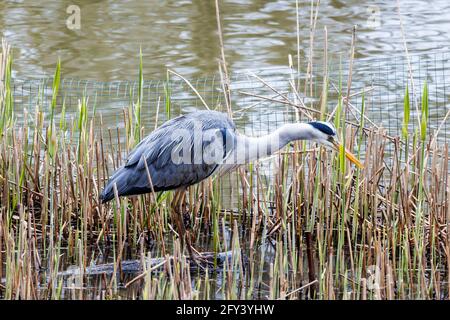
(181, 34)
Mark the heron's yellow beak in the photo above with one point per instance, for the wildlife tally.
(348, 154)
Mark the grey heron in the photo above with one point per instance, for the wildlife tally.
(190, 148)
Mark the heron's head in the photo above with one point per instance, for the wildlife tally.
(325, 133)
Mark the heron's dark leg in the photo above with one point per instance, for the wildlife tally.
(177, 209)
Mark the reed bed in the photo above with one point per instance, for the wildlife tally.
(319, 229)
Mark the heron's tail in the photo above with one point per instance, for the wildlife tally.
(119, 178)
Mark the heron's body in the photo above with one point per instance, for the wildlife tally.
(156, 150)
(154, 156)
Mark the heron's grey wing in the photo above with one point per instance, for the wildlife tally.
(168, 172)
(148, 147)
(157, 149)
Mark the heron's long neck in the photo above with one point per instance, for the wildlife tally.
(252, 148)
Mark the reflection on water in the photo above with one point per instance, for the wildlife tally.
(182, 34)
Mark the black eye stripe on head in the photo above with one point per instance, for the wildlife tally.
(323, 127)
